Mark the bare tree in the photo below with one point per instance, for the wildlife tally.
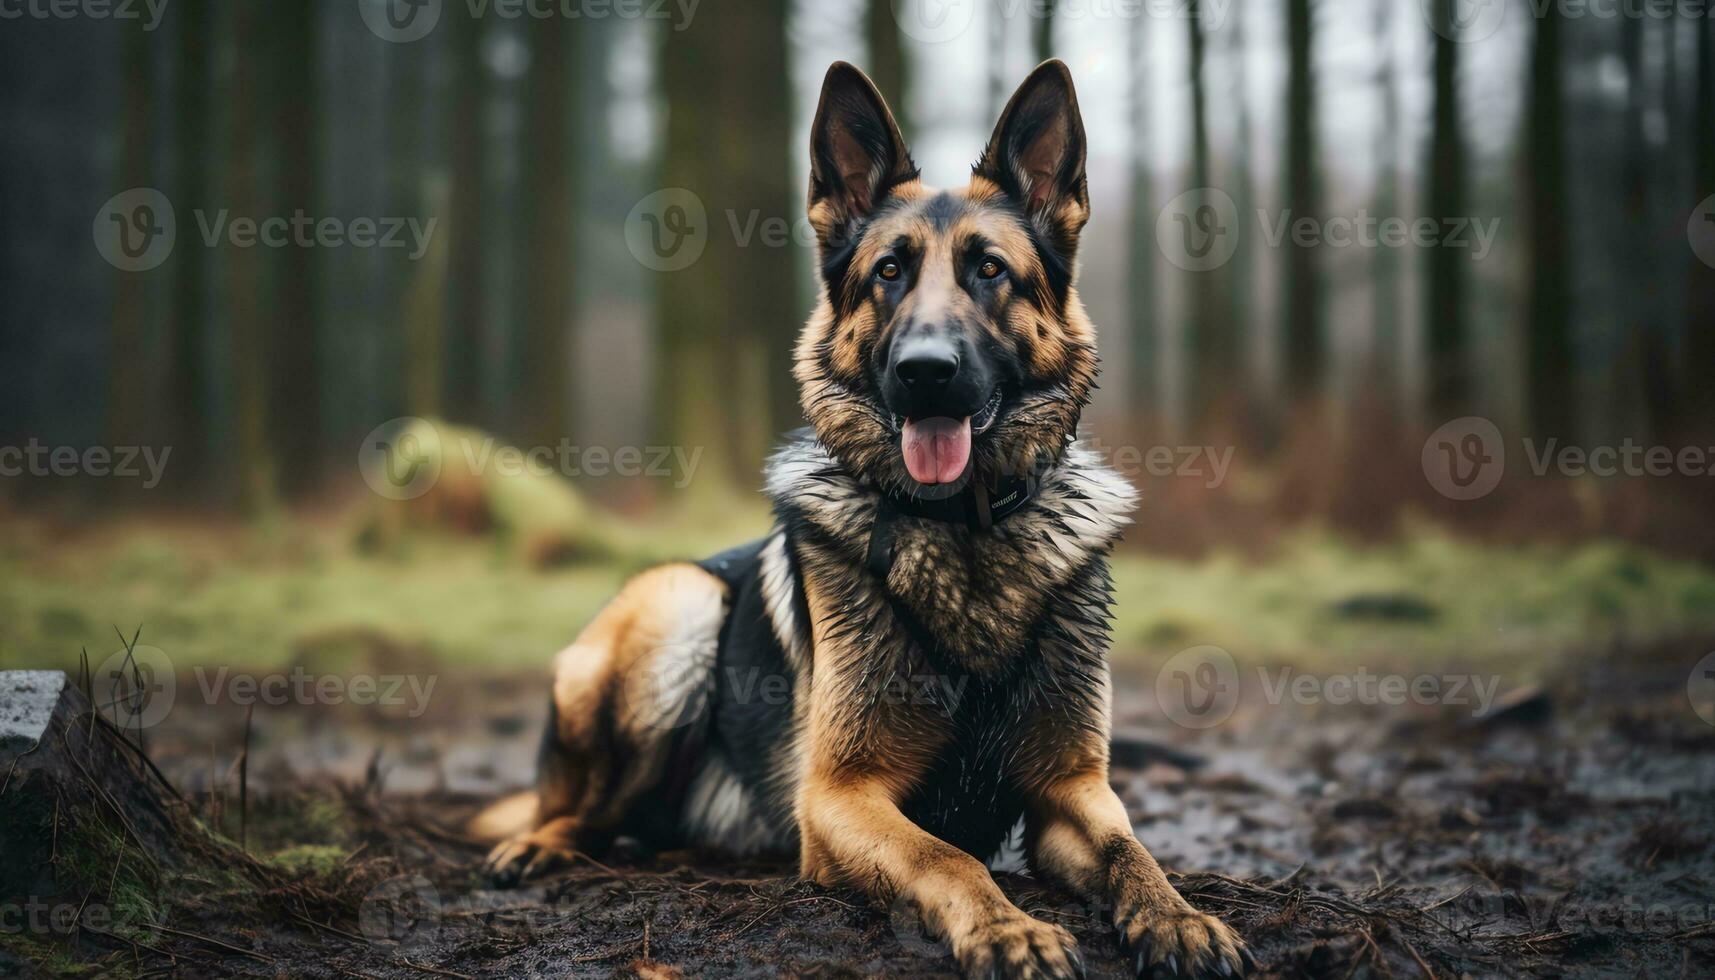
(1301, 282)
(1144, 345)
(1645, 357)
(1548, 389)
(887, 62)
(548, 232)
(127, 379)
(1210, 340)
(465, 286)
(247, 325)
(1384, 350)
(729, 319)
(294, 353)
(1445, 320)
(1042, 35)
(185, 357)
(1700, 280)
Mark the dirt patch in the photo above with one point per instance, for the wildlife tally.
(1341, 842)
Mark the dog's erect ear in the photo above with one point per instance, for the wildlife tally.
(1036, 154)
(857, 155)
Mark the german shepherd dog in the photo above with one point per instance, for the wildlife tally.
(913, 662)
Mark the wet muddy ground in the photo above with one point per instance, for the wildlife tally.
(1568, 833)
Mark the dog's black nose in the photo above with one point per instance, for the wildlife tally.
(926, 363)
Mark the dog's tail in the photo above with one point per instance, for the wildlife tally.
(505, 817)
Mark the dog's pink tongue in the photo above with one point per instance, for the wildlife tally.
(936, 450)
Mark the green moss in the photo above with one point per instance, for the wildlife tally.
(311, 859)
(55, 960)
(100, 860)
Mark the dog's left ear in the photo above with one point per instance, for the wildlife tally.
(1036, 154)
(857, 155)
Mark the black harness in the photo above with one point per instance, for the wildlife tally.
(976, 506)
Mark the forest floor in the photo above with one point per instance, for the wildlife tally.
(1564, 834)
(1552, 818)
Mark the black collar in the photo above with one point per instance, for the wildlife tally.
(978, 507)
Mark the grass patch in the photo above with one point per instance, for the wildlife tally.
(305, 594)
(1426, 598)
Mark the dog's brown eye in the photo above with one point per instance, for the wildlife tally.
(888, 270)
(990, 268)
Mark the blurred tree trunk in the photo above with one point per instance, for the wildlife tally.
(1549, 350)
(295, 360)
(1644, 358)
(1301, 281)
(1210, 341)
(549, 233)
(255, 478)
(1383, 369)
(690, 394)
(1700, 280)
(127, 378)
(465, 309)
(407, 92)
(888, 66)
(1241, 270)
(729, 320)
(762, 180)
(1042, 39)
(1448, 333)
(996, 58)
(185, 357)
(1140, 282)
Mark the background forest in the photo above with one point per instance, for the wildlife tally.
(1329, 240)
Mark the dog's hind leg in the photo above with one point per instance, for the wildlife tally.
(629, 698)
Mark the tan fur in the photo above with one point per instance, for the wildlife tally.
(623, 666)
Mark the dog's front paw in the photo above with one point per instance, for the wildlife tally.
(1014, 945)
(518, 859)
(1182, 943)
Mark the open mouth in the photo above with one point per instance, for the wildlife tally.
(938, 449)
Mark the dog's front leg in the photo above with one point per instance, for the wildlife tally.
(853, 834)
(1079, 833)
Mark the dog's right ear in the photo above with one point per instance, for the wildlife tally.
(857, 155)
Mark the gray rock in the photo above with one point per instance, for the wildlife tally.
(27, 702)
